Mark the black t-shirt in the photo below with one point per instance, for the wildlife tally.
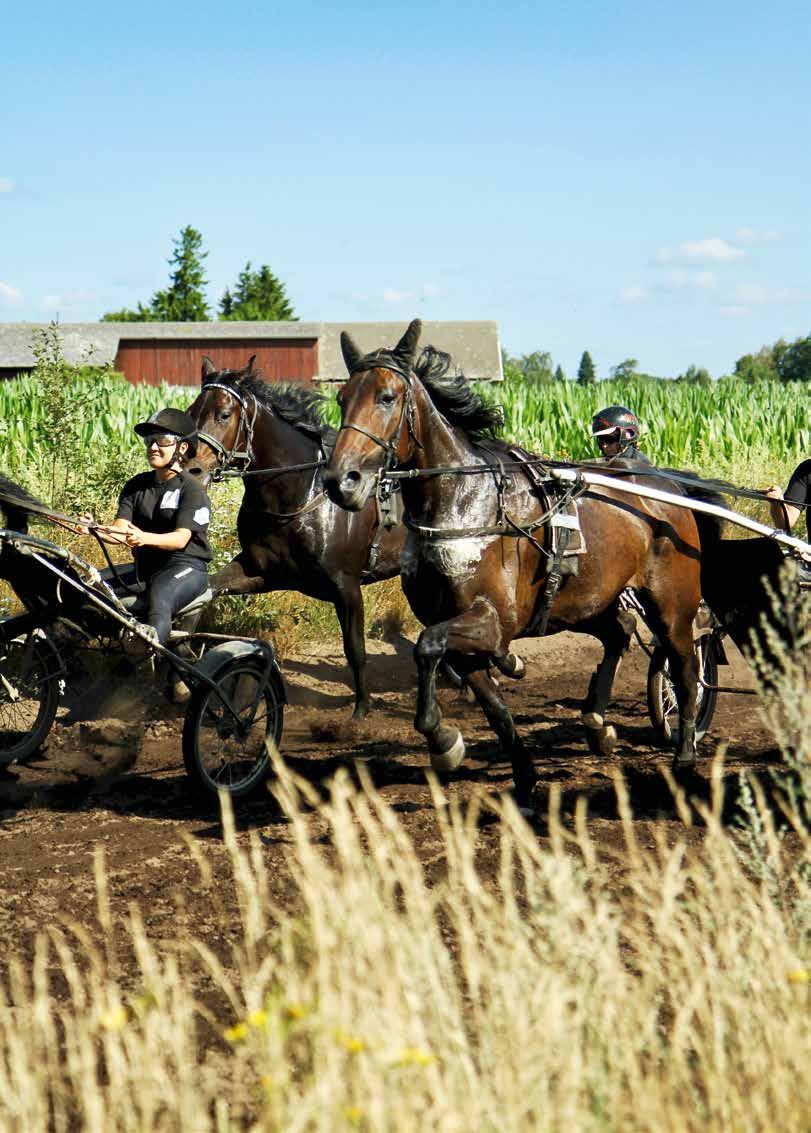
(798, 491)
(161, 506)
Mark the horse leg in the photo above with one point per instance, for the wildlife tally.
(476, 632)
(500, 720)
(674, 628)
(349, 607)
(234, 579)
(615, 630)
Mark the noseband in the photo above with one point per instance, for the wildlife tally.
(407, 412)
(227, 458)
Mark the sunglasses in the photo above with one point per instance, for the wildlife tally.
(162, 440)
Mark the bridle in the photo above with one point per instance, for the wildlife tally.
(228, 458)
(407, 419)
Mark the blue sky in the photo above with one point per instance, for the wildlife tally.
(633, 179)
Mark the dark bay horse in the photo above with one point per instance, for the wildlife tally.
(470, 574)
(291, 534)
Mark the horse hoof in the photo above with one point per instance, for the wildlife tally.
(520, 670)
(602, 741)
(592, 720)
(361, 712)
(444, 761)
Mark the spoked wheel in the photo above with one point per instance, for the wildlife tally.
(662, 706)
(220, 753)
(29, 695)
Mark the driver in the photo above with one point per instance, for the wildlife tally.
(163, 515)
(616, 430)
(787, 506)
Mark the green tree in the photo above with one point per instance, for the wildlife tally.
(126, 315)
(559, 374)
(257, 295)
(183, 301)
(697, 375)
(756, 367)
(793, 361)
(586, 374)
(625, 370)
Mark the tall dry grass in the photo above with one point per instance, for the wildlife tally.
(642, 990)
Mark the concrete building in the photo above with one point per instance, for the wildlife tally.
(295, 351)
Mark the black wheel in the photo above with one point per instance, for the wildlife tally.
(221, 754)
(29, 695)
(664, 712)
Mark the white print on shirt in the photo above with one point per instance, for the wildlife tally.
(183, 573)
(170, 501)
(202, 515)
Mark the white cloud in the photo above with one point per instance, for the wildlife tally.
(752, 293)
(392, 295)
(632, 294)
(706, 280)
(757, 235)
(734, 311)
(9, 294)
(430, 291)
(712, 249)
(6, 185)
(66, 301)
(681, 277)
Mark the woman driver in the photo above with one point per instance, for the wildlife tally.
(164, 516)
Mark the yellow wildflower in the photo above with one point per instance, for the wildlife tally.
(295, 1011)
(114, 1019)
(350, 1043)
(353, 1114)
(799, 976)
(258, 1018)
(236, 1033)
(414, 1056)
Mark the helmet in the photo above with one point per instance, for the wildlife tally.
(174, 421)
(618, 420)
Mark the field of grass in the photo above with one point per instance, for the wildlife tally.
(652, 989)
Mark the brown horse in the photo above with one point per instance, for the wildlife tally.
(292, 536)
(475, 563)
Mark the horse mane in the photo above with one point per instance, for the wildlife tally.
(456, 399)
(297, 404)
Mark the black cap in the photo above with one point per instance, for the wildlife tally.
(169, 421)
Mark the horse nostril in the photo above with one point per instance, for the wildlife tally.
(351, 480)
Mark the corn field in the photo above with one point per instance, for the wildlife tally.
(688, 425)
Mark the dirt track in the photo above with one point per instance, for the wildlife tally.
(122, 786)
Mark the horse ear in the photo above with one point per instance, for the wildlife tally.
(249, 368)
(406, 348)
(208, 368)
(350, 351)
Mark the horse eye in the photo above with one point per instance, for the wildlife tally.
(387, 398)
(226, 413)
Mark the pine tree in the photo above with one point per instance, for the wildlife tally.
(559, 374)
(586, 375)
(257, 295)
(183, 300)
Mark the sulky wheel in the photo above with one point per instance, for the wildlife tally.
(29, 695)
(664, 712)
(219, 753)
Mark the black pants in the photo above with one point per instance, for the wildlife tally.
(162, 596)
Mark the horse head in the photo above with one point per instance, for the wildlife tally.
(377, 418)
(223, 414)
